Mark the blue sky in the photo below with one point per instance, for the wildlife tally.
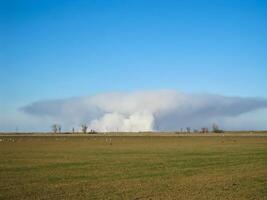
(60, 49)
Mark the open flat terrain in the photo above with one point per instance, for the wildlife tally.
(133, 167)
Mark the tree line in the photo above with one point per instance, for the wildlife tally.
(56, 128)
(214, 129)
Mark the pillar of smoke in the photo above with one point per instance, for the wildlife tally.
(117, 122)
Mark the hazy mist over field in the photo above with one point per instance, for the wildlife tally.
(150, 110)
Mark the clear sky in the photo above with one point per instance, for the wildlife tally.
(58, 49)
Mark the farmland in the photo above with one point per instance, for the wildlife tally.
(233, 166)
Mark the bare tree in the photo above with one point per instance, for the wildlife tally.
(59, 128)
(204, 130)
(93, 131)
(188, 129)
(55, 128)
(216, 129)
(84, 128)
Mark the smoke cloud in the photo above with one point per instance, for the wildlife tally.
(164, 110)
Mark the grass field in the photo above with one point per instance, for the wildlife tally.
(133, 167)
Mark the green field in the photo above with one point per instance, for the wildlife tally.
(133, 167)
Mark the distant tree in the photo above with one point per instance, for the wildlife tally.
(55, 128)
(93, 131)
(216, 129)
(195, 131)
(59, 128)
(73, 130)
(84, 128)
(188, 129)
(204, 130)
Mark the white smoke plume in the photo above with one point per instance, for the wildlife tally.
(147, 110)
